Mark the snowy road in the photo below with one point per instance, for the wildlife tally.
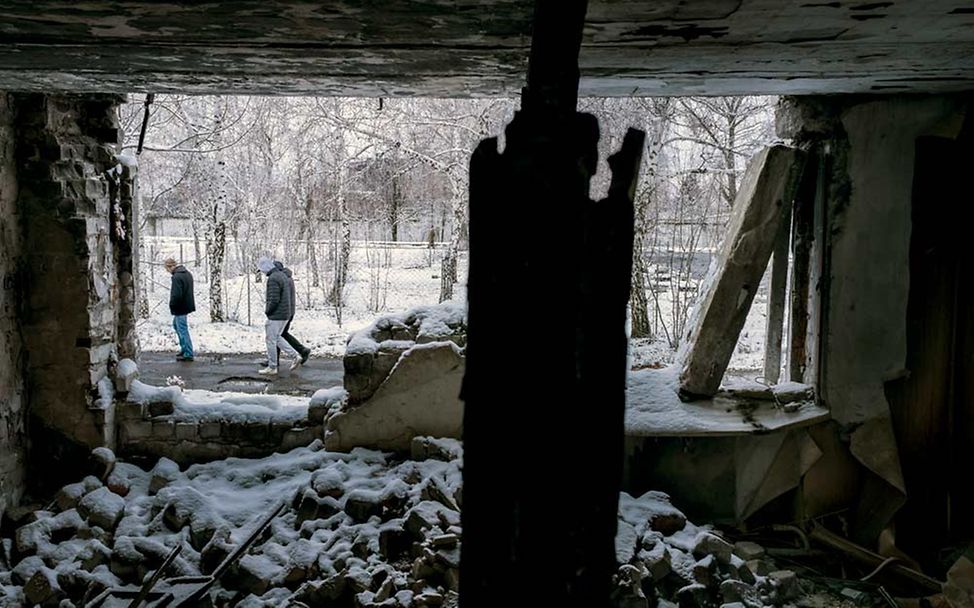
(238, 372)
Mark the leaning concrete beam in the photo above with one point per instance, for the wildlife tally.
(769, 186)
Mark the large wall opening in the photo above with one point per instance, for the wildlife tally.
(339, 481)
(365, 200)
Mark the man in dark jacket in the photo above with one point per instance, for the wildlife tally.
(286, 334)
(181, 303)
(277, 307)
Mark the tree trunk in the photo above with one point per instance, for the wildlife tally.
(308, 230)
(216, 251)
(313, 258)
(448, 274)
(638, 304)
(198, 259)
(730, 161)
(344, 251)
(142, 279)
(395, 206)
(216, 245)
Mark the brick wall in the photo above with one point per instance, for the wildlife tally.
(65, 154)
(189, 440)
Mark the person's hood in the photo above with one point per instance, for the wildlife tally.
(265, 265)
(179, 268)
(281, 267)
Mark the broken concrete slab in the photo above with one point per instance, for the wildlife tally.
(769, 186)
(419, 397)
(42, 589)
(706, 543)
(162, 474)
(437, 448)
(748, 551)
(372, 353)
(101, 463)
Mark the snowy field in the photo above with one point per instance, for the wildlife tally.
(383, 280)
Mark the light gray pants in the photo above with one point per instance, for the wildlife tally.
(272, 333)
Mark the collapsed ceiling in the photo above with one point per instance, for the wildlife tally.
(469, 48)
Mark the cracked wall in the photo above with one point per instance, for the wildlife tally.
(869, 148)
(13, 432)
(445, 48)
(69, 187)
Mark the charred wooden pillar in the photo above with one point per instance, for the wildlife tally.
(544, 389)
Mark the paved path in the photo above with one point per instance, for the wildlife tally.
(238, 372)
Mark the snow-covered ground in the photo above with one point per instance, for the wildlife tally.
(203, 405)
(383, 280)
(142, 515)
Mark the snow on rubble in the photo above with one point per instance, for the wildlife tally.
(347, 516)
(358, 529)
(399, 332)
(204, 405)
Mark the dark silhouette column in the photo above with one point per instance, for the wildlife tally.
(548, 286)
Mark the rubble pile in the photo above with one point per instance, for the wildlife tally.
(373, 352)
(666, 561)
(357, 529)
(403, 376)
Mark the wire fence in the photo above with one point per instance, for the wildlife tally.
(387, 277)
(382, 276)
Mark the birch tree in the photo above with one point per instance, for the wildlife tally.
(729, 130)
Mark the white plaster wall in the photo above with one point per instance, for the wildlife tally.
(866, 341)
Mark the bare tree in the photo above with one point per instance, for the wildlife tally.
(193, 136)
(728, 129)
(657, 125)
(321, 180)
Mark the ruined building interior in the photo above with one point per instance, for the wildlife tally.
(864, 196)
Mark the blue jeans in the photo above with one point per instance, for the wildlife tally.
(182, 332)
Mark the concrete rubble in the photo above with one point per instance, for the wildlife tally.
(665, 560)
(402, 380)
(360, 529)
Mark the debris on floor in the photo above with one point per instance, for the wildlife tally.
(358, 529)
(310, 527)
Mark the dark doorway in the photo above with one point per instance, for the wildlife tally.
(932, 408)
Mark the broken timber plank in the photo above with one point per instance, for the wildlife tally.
(197, 587)
(776, 300)
(769, 185)
(833, 541)
(543, 176)
(802, 235)
(149, 584)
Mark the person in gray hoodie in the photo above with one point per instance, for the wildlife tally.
(304, 351)
(278, 309)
